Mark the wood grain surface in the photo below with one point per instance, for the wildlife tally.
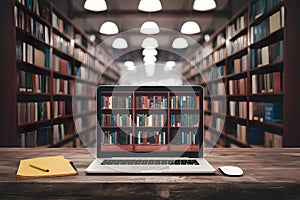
(268, 174)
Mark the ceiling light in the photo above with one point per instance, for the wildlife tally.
(149, 58)
(92, 38)
(109, 28)
(119, 43)
(129, 65)
(150, 43)
(204, 5)
(180, 43)
(132, 68)
(206, 37)
(190, 27)
(149, 51)
(95, 5)
(149, 27)
(170, 64)
(150, 5)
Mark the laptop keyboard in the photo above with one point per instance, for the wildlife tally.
(149, 162)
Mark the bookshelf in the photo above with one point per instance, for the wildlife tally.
(54, 61)
(245, 69)
(137, 120)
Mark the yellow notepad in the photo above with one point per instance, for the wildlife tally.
(46, 167)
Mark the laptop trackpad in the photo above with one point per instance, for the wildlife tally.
(150, 168)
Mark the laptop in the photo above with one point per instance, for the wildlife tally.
(149, 129)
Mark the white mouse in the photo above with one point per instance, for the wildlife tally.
(231, 170)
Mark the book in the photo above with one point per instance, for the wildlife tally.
(266, 83)
(275, 22)
(265, 55)
(256, 113)
(272, 113)
(238, 109)
(241, 133)
(277, 82)
(273, 140)
(44, 136)
(256, 136)
(237, 87)
(46, 167)
(33, 111)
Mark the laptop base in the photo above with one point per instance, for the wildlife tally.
(203, 168)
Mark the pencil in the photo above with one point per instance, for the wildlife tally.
(39, 168)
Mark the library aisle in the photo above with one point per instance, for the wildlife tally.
(243, 53)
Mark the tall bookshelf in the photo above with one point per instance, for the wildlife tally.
(248, 57)
(54, 60)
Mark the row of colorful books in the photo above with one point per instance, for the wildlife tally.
(29, 54)
(33, 111)
(32, 82)
(31, 25)
(265, 112)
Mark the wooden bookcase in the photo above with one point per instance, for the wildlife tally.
(248, 57)
(148, 121)
(53, 61)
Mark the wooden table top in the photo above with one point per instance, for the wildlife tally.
(268, 173)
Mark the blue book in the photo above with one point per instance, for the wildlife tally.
(143, 120)
(69, 69)
(256, 136)
(253, 58)
(272, 113)
(112, 120)
(140, 102)
(102, 101)
(184, 101)
(47, 60)
(29, 4)
(105, 137)
(112, 138)
(124, 120)
(173, 120)
(43, 83)
(41, 111)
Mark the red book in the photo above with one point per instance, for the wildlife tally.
(237, 65)
(148, 103)
(277, 82)
(145, 137)
(71, 86)
(197, 101)
(63, 66)
(235, 90)
(159, 102)
(63, 107)
(177, 120)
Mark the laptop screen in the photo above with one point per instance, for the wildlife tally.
(147, 121)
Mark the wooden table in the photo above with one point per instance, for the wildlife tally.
(268, 174)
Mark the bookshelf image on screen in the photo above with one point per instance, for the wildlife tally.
(145, 121)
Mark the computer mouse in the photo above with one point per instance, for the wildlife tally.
(231, 170)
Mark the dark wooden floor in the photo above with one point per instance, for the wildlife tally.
(268, 174)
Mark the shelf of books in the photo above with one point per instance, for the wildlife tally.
(55, 60)
(140, 121)
(243, 64)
